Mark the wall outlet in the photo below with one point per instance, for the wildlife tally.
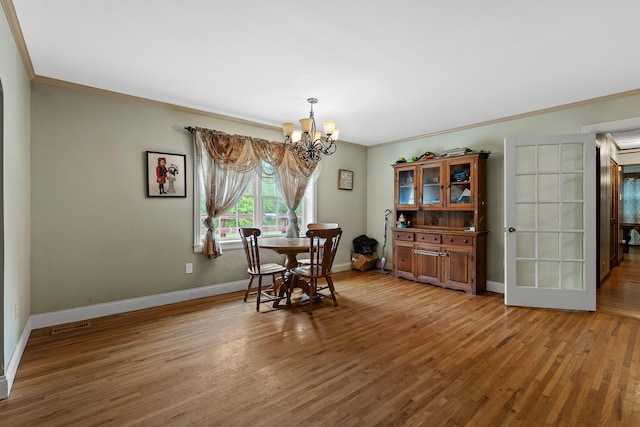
(189, 268)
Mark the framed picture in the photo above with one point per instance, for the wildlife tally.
(345, 179)
(166, 174)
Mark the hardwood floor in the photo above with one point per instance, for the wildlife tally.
(392, 353)
(620, 294)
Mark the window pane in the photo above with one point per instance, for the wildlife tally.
(526, 159)
(547, 187)
(526, 273)
(548, 158)
(525, 188)
(272, 219)
(572, 157)
(269, 186)
(263, 209)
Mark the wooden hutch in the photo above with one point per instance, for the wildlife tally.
(443, 202)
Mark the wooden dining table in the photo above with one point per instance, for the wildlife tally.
(290, 247)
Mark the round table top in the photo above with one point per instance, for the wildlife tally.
(300, 244)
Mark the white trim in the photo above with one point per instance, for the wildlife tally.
(497, 287)
(612, 126)
(6, 381)
(339, 268)
(117, 307)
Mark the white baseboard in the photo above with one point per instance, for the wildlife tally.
(117, 307)
(6, 381)
(337, 268)
(495, 287)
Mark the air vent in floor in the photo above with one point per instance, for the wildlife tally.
(70, 327)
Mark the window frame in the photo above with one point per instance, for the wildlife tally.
(308, 212)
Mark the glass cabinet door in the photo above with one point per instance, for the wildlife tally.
(406, 189)
(431, 185)
(460, 184)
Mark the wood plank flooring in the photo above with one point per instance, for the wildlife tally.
(620, 294)
(393, 353)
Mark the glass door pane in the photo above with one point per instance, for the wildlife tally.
(460, 183)
(406, 187)
(431, 185)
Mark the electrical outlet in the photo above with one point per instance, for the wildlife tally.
(189, 268)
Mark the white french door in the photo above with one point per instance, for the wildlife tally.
(550, 221)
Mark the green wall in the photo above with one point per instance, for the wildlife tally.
(489, 137)
(97, 238)
(15, 194)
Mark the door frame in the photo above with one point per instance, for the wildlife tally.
(604, 187)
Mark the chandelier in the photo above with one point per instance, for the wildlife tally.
(308, 144)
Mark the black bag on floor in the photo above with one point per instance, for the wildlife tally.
(364, 245)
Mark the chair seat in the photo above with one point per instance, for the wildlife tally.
(266, 269)
(309, 271)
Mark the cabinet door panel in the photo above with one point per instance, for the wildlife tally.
(403, 260)
(458, 268)
(428, 263)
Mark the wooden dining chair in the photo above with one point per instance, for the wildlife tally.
(318, 226)
(256, 269)
(323, 246)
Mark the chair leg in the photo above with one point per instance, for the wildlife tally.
(246, 294)
(259, 293)
(287, 284)
(313, 286)
(332, 289)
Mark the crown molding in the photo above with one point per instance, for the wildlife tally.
(14, 24)
(590, 101)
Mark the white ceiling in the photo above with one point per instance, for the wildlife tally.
(385, 71)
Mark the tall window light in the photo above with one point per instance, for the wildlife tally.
(261, 207)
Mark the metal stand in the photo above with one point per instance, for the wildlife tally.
(383, 260)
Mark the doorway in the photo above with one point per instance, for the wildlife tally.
(619, 266)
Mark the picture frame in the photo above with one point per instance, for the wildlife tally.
(170, 182)
(345, 179)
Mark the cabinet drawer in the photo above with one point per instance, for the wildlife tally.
(403, 235)
(457, 240)
(428, 238)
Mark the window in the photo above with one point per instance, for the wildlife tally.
(260, 207)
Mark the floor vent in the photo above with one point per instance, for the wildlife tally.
(70, 327)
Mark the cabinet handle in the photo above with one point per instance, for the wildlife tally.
(428, 253)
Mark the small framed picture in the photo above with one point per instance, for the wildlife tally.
(166, 174)
(345, 179)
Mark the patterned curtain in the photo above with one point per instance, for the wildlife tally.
(293, 178)
(631, 200)
(228, 164)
